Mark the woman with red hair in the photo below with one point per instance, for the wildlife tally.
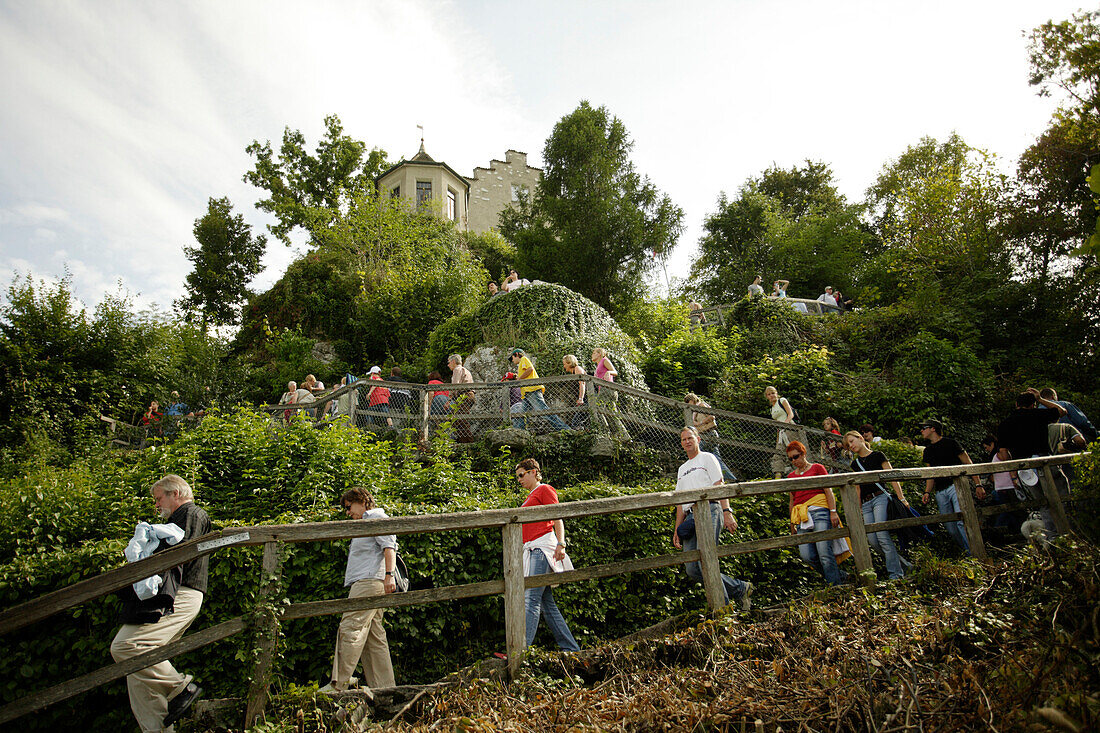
(814, 510)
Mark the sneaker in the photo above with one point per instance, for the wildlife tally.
(746, 597)
(179, 704)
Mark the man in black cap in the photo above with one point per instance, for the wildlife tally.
(943, 451)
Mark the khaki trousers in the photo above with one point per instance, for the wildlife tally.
(152, 688)
(362, 637)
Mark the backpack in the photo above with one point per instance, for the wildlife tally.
(796, 420)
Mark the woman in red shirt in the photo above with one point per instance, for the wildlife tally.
(814, 510)
(543, 552)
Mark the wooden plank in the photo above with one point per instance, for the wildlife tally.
(1057, 510)
(971, 521)
(708, 556)
(515, 616)
(914, 521)
(853, 515)
(266, 633)
(612, 569)
(312, 609)
(776, 543)
(57, 693)
(1021, 506)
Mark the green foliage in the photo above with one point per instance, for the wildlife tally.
(225, 260)
(547, 321)
(769, 327)
(802, 376)
(312, 191)
(688, 361)
(381, 280)
(1067, 55)
(650, 322)
(594, 224)
(495, 253)
(785, 224)
(61, 366)
(1086, 488)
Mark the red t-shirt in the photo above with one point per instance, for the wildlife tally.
(436, 381)
(543, 494)
(815, 469)
(380, 395)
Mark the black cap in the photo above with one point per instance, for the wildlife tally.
(934, 424)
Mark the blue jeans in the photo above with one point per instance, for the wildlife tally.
(440, 404)
(874, 510)
(948, 501)
(534, 400)
(540, 601)
(732, 587)
(713, 449)
(819, 555)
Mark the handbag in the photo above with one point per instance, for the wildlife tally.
(918, 533)
(400, 574)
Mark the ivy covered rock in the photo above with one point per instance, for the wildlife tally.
(547, 321)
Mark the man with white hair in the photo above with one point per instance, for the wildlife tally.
(159, 695)
(827, 297)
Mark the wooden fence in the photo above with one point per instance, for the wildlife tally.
(512, 584)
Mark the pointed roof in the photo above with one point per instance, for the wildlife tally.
(422, 156)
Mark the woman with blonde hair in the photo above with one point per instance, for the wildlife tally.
(875, 500)
(781, 411)
(829, 446)
(571, 365)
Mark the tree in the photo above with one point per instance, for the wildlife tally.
(227, 258)
(312, 191)
(785, 223)
(1066, 55)
(938, 211)
(593, 224)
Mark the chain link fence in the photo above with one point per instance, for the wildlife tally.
(748, 446)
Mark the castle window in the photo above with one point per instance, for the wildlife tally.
(395, 192)
(423, 193)
(452, 207)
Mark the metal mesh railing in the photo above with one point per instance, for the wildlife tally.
(749, 446)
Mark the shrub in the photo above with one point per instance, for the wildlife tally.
(688, 361)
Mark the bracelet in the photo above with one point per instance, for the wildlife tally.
(562, 544)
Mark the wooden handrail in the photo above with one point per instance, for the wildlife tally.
(509, 520)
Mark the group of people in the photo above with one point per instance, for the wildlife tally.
(832, 298)
(1041, 424)
(512, 282)
(385, 403)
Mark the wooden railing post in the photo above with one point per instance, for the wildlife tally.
(506, 405)
(857, 533)
(687, 415)
(708, 555)
(971, 521)
(1057, 510)
(590, 394)
(515, 612)
(266, 620)
(425, 410)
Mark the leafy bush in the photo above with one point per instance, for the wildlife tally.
(689, 361)
(802, 376)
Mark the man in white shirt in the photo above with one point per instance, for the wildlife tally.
(827, 297)
(699, 471)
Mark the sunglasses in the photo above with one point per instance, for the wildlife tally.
(792, 456)
(521, 474)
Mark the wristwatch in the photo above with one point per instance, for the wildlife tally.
(389, 573)
(728, 510)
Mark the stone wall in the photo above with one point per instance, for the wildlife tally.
(491, 188)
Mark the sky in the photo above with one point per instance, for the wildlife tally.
(119, 120)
